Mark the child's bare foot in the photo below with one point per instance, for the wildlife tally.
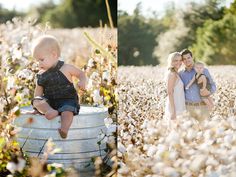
(52, 113)
(62, 133)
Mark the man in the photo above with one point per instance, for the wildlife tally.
(194, 104)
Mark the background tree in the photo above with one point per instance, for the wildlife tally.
(73, 13)
(6, 15)
(136, 39)
(216, 41)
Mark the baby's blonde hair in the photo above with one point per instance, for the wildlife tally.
(46, 42)
(170, 59)
(199, 63)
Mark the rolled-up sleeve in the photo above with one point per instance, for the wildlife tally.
(213, 85)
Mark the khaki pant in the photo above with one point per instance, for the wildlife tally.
(198, 112)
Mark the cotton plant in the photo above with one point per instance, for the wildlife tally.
(187, 148)
(17, 84)
(101, 73)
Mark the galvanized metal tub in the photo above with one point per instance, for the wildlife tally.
(79, 147)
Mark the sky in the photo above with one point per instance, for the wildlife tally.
(22, 5)
(128, 5)
(155, 5)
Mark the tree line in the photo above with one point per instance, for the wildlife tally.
(208, 29)
(68, 13)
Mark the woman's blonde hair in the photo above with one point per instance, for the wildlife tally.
(170, 59)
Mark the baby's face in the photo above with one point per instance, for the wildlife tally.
(199, 68)
(45, 59)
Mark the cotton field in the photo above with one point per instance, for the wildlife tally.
(147, 146)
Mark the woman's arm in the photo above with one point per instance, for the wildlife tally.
(190, 83)
(170, 91)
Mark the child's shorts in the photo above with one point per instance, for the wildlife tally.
(61, 105)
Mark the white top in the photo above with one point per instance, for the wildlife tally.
(179, 99)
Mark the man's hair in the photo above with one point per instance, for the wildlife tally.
(186, 51)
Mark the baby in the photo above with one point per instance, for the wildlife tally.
(203, 82)
(55, 93)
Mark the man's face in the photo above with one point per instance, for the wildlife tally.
(187, 60)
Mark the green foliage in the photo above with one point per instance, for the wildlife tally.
(196, 16)
(40, 10)
(207, 28)
(216, 41)
(74, 13)
(136, 39)
(232, 8)
(68, 13)
(6, 15)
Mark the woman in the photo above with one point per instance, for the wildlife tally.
(175, 103)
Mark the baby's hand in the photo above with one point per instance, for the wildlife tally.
(81, 86)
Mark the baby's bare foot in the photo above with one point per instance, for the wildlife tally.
(62, 133)
(51, 114)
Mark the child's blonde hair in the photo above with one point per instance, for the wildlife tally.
(199, 63)
(170, 59)
(46, 42)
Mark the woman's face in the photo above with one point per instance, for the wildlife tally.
(177, 62)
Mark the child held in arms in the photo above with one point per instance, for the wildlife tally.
(204, 84)
(55, 93)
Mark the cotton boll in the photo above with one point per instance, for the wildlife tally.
(191, 134)
(207, 134)
(233, 125)
(228, 139)
(185, 166)
(178, 163)
(108, 121)
(213, 174)
(96, 96)
(145, 124)
(106, 76)
(212, 161)
(161, 140)
(129, 148)
(170, 172)
(220, 131)
(151, 150)
(121, 147)
(186, 125)
(199, 134)
(198, 163)
(124, 170)
(173, 155)
(153, 132)
(173, 138)
(222, 169)
(158, 167)
(91, 62)
(191, 152)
